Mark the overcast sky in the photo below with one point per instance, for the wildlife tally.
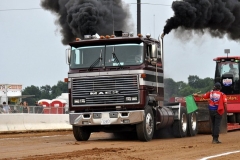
(32, 52)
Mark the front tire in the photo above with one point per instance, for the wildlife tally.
(145, 129)
(180, 126)
(81, 133)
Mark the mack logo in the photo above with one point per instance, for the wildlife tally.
(104, 92)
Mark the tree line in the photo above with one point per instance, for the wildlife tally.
(171, 89)
(44, 92)
(182, 89)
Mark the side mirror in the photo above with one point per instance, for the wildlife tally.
(68, 55)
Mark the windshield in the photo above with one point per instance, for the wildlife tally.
(109, 55)
(228, 67)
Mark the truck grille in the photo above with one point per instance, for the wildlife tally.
(104, 90)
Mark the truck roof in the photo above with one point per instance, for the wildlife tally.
(109, 41)
(229, 57)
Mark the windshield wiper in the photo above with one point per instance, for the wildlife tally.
(114, 57)
(96, 62)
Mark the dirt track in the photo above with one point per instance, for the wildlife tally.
(62, 145)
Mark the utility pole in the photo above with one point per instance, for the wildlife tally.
(138, 16)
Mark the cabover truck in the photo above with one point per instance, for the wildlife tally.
(115, 84)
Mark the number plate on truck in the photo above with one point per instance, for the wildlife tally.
(105, 121)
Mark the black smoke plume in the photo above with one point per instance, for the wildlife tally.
(219, 17)
(87, 17)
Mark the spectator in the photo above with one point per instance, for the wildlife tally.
(26, 108)
(20, 109)
(1, 109)
(6, 108)
(36, 107)
(217, 106)
(39, 108)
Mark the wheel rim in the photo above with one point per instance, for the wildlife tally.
(193, 121)
(149, 123)
(184, 122)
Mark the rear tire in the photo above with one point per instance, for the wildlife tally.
(145, 129)
(81, 133)
(192, 124)
(180, 126)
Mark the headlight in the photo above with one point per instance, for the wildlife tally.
(76, 101)
(131, 99)
(128, 98)
(134, 98)
(79, 101)
(82, 101)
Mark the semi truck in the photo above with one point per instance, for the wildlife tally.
(115, 84)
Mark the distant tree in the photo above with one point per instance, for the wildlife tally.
(182, 89)
(188, 90)
(193, 81)
(45, 92)
(58, 89)
(206, 84)
(32, 90)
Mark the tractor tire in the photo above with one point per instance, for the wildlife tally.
(180, 126)
(81, 133)
(145, 129)
(232, 118)
(238, 117)
(192, 121)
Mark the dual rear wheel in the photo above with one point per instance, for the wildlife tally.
(187, 125)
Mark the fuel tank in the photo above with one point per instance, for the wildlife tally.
(164, 117)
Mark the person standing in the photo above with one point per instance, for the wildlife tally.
(6, 108)
(25, 108)
(36, 107)
(39, 107)
(217, 106)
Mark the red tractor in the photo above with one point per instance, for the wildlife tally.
(227, 73)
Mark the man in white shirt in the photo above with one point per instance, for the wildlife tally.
(6, 108)
(233, 70)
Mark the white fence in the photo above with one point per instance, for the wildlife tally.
(39, 109)
(19, 122)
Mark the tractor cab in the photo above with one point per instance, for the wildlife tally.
(227, 73)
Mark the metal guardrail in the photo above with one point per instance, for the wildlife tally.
(38, 110)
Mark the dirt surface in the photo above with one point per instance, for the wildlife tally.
(101, 146)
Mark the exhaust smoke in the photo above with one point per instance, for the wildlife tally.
(219, 17)
(87, 17)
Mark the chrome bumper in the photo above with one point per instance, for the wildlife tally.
(106, 118)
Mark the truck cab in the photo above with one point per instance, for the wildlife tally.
(227, 73)
(116, 85)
